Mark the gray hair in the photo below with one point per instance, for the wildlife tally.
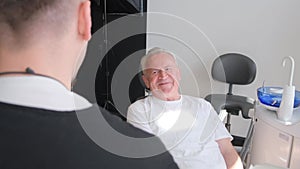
(154, 51)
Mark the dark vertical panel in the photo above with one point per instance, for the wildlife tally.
(114, 10)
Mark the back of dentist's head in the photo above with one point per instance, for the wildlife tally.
(49, 36)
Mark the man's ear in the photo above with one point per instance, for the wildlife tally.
(146, 81)
(84, 20)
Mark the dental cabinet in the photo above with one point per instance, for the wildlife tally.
(275, 142)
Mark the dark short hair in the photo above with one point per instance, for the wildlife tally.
(15, 14)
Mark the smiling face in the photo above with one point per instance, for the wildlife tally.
(162, 75)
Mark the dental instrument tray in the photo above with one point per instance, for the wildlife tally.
(270, 97)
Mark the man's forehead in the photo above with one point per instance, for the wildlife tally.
(162, 55)
(160, 60)
(160, 67)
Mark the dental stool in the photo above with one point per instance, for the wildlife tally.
(234, 69)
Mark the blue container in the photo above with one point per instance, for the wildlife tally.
(271, 96)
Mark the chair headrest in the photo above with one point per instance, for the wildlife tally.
(234, 68)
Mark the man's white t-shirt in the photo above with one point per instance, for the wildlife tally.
(189, 128)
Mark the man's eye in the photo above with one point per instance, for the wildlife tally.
(168, 69)
(154, 72)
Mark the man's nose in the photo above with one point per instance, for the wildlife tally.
(163, 74)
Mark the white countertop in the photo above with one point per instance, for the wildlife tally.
(292, 127)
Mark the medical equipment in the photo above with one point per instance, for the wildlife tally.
(234, 69)
(274, 141)
(285, 111)
(276, 138)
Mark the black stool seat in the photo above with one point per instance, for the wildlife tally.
(232, 103)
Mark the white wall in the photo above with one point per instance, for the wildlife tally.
(198, 31)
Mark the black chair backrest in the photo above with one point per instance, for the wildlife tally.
(234, 68)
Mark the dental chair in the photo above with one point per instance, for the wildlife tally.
(234, 69)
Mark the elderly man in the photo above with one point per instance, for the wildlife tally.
(187, 125)
(42, 45)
